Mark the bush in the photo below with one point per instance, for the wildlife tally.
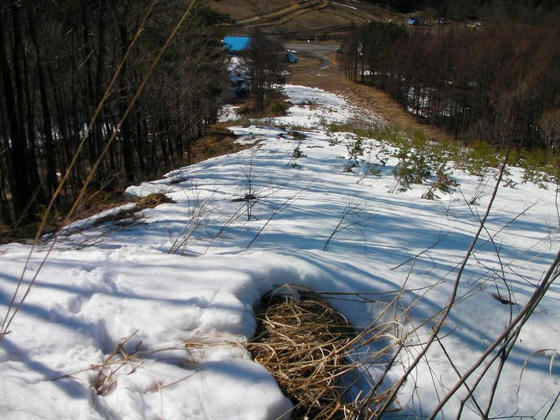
(296, 154)
(480, 157)
(355, 150)
(279, 108)
(413, 168)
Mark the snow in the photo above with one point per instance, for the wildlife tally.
(184, 316)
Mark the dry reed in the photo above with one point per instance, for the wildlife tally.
(310, 349)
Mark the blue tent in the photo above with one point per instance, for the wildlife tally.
(236, 43)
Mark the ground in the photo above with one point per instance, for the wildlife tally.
(148, 316)
(313, 19)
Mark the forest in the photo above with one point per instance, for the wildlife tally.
(80, 94)
(499, 83)
(519, 10)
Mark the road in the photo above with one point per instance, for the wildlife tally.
(311, 49)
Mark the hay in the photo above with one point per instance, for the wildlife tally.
(304, 343)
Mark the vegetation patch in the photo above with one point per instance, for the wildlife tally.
(302, 342)
(296, 154)
(219, 141)
(152, 200)
(317, 357)
(276, 106)
(129, 216)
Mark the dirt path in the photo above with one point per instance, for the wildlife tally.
(311, 71)
(274, 15)
(282, 16)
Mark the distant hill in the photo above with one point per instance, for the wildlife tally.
(532, 11)
(329, 19)
(303, 19)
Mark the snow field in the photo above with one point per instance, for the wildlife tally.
(186, 315)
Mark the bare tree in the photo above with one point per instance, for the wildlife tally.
(266, 60)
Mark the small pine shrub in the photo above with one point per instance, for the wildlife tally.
(537, 166)
(444, 182)
(296, 154)
(419, 139)
(429, 195)
(413, 168)
(510, 183)
(279, 108)
(481, 157)
(356, 148)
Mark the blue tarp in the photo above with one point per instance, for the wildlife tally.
(236, 43)
(292, 57)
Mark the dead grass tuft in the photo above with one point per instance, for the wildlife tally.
(308, 346)
(128, 357)
(130, 216)
(152, 200)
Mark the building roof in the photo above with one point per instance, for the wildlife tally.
(236, 43)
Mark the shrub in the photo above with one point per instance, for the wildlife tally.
(480, 157)
(279, 108)
(535, 163)
(296, 154)
(413, 168)
(355, 150)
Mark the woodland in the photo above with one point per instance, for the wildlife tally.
(79, 91)
(519, 10)
(499, 82)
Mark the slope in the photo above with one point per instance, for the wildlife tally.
(147, 317)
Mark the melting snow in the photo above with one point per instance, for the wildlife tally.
(185, 316)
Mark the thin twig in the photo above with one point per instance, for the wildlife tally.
(451, 301)
(518, 322)
(552, 405)
(280, 209)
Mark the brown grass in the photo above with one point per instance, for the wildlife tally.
(311, 349)
(148, 202)
(246, 9)
(303, 20)
(219, 141)
(302, 344)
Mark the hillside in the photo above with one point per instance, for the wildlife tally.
(326, 256)
(146, 315)
(322, 19)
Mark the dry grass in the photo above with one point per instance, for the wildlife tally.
(129, 215)
(246, 9)
(128, 357)
(302, 20)
(311, 349)
(152, 200)
(219, 141)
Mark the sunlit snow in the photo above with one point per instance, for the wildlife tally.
(186, 315)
